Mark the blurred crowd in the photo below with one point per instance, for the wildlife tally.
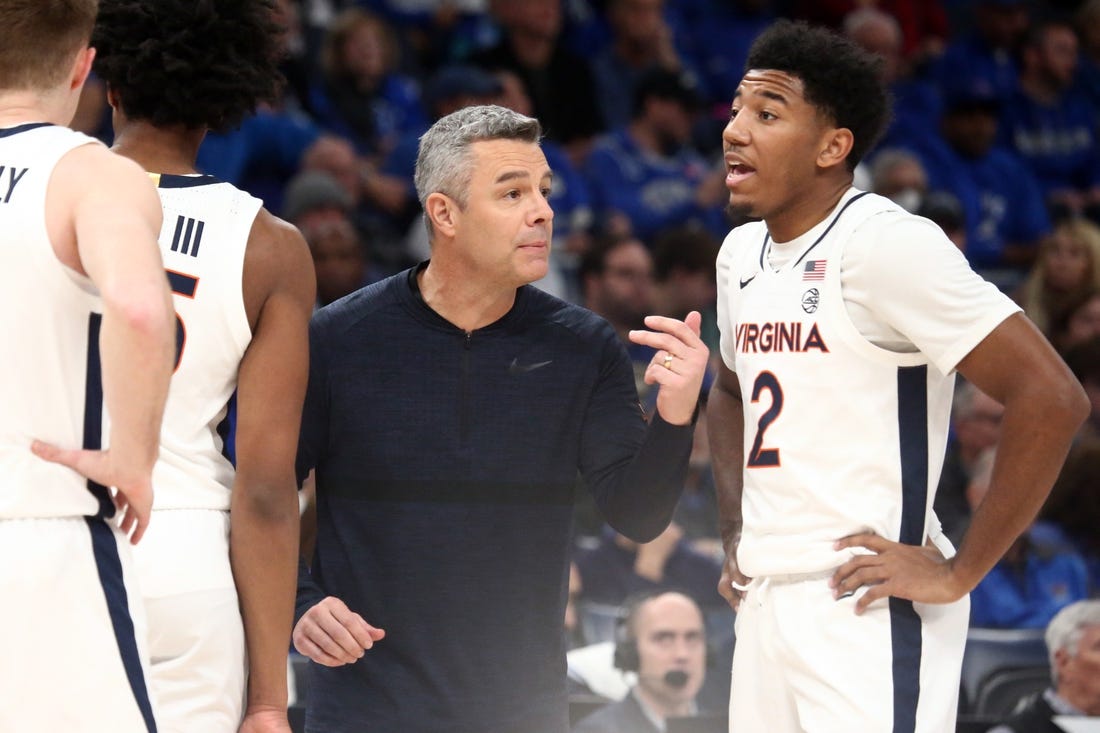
(995, 138)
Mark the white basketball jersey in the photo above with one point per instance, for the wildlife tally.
(49, 325)
(203, 241)
(841, 436)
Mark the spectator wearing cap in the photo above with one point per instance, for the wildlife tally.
(262, 153)
(376, 203)
(320, 207)
(646, 176)
(1006, 218)
(313, 195)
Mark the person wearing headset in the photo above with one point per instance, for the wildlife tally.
(661, 639)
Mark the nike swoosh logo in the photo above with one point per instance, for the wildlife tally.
(746, 282)
(516, 368)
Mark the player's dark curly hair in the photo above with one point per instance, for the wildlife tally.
(840, 79)
(195, 63)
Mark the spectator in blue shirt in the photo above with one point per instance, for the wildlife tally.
(646, 176)
(1050, 124)
(1005, 215)
(1026, 588)
(1031, 583)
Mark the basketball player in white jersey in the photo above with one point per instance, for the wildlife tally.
(218, 567)
(86, 323)
(843, 321)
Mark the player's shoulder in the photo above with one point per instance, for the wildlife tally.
(271, 232)
(91, 180)
(877, 217)
(277, 252)
(90, 160)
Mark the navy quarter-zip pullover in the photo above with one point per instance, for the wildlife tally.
(446, 464)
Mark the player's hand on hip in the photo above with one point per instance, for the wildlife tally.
(733, 584)
(265, 721)
(915, 573)
(678, 366)
(134, 488)
(331, 634)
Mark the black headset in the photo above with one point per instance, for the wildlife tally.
(626, 656)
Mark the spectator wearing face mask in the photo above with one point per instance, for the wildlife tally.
(899, 175)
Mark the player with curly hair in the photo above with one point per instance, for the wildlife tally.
(218, 568)
(86, 323)
(843, 320)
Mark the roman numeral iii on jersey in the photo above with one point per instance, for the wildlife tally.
(188, 236)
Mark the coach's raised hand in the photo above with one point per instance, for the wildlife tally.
(678, 366)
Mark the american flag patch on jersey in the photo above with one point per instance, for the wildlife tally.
(814, 270)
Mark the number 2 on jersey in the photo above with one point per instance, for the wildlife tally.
(184, 285)
(759, 456)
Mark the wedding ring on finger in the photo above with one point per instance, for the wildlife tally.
(668, 361)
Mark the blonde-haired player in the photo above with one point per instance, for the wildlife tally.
(86, 324)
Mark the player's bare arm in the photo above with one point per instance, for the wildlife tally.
(103, 217)
(1044, 407)
(726, 429)
(279, 291)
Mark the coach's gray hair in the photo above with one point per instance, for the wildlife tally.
(444, 164)
(1066, 628)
